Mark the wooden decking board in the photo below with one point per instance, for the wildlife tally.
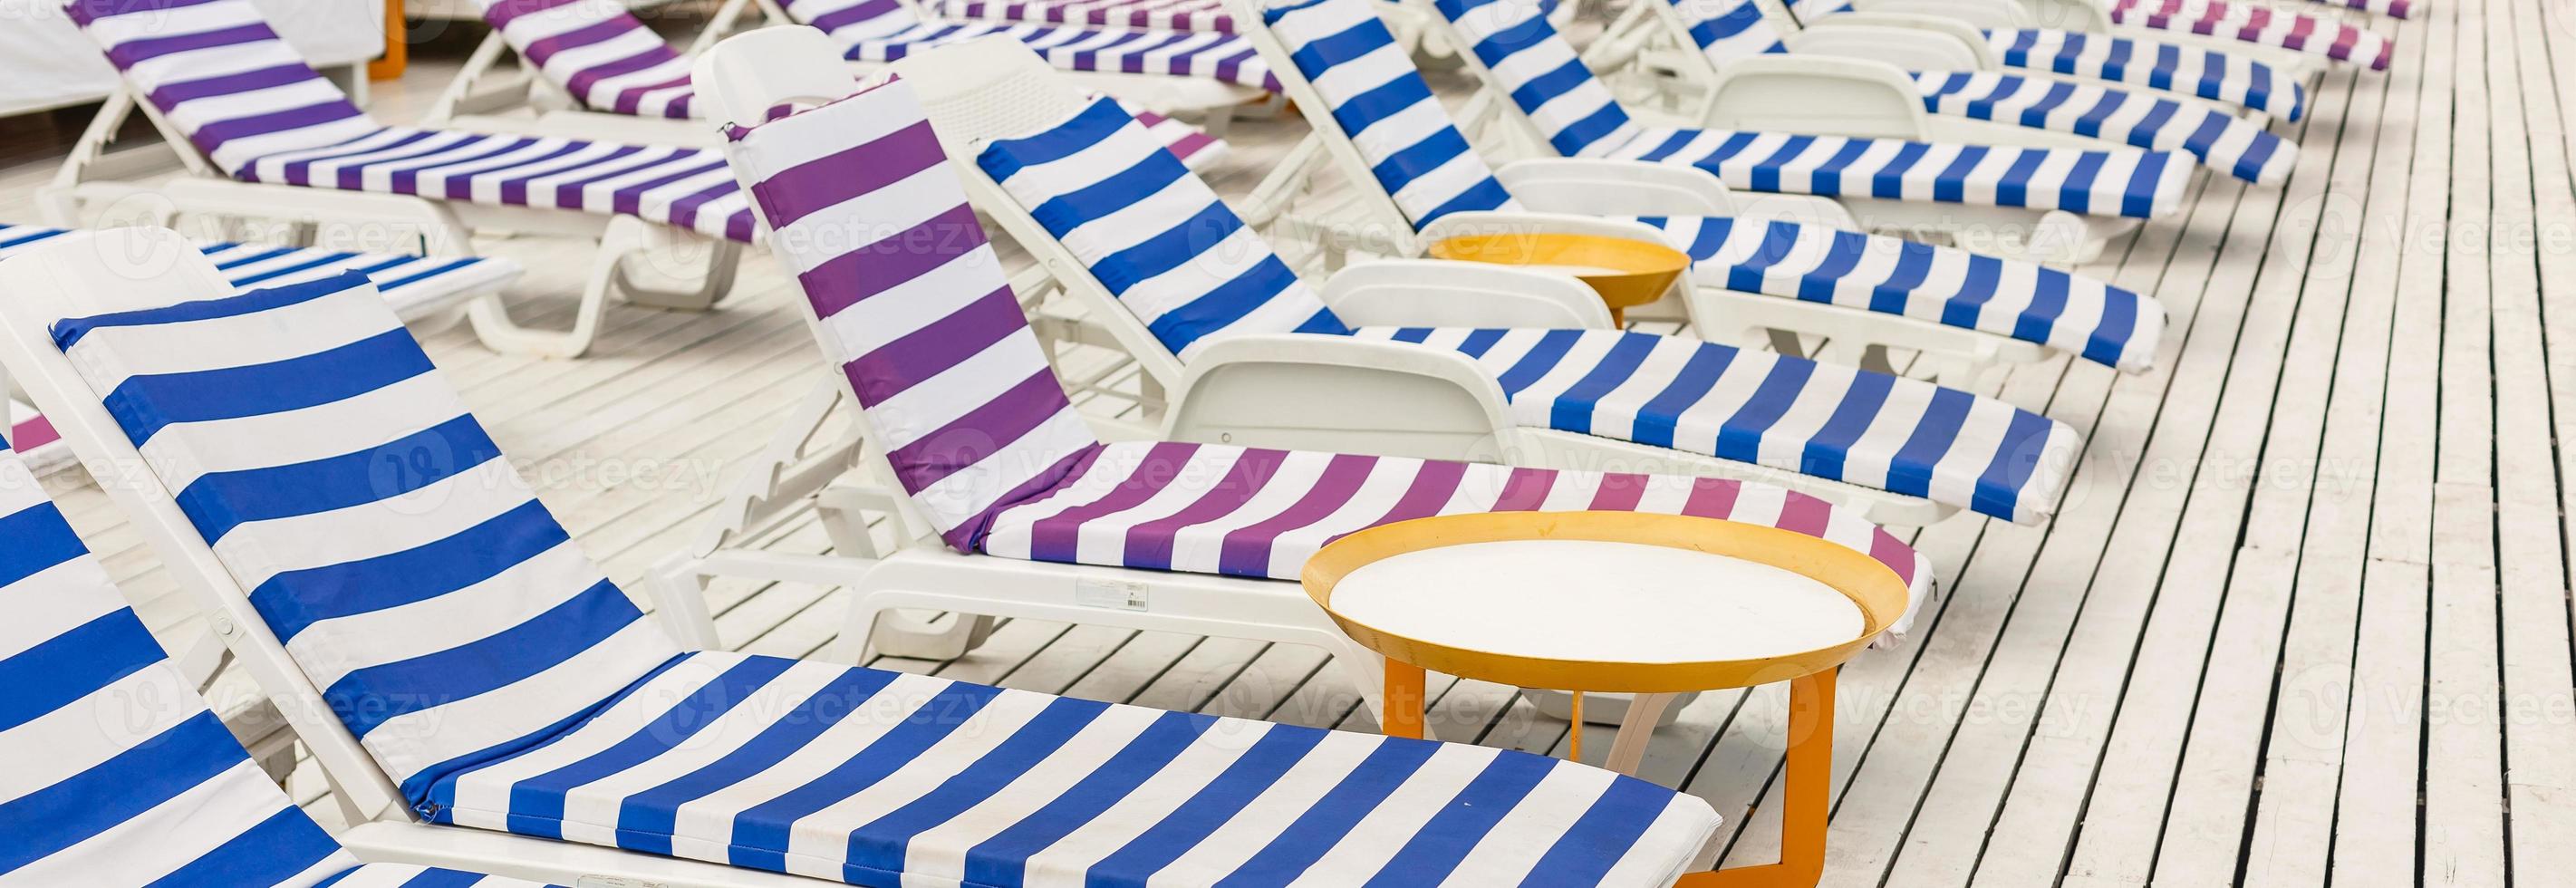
(2190, 677)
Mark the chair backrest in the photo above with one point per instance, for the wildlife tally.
(117, 772)
(597, 52)
(380, 534)
(1531, 65)
(1151, 232)
(852, 21)
(909, 299)
(1725, 30)
(1383, 108)
(216, 72)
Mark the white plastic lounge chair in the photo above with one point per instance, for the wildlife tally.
(425, 292)
(2300, 44)
(1730, 29)
(597, 71)
(1000, 501)
(1887, 173)
(119, 775)
(452, 655)
(1201, 71)
(266, 137)
(1142, 241)
(1377, 122)
(1967, 101)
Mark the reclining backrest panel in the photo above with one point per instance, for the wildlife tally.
(1153, 233)
(1730, 29)
(405, 565)
(596, 51)
(1538, 71)
(911, 303)
(1385, 108)
(117, 773)
(217, 72)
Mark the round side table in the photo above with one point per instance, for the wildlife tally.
(1620, 602)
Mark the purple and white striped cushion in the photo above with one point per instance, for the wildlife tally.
(1254, 512)
(913, 305)
(217, 72)
(886, 30)
(251, 104)
(917, 313)
(1159, 15)
(681, 187)
(2262, 26)
(596, 51)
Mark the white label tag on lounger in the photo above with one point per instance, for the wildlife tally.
(617, 882)
(1111, 594)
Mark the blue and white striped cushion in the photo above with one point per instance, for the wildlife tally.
(2221, 141)
(2209, 74)
(1541, 74)
(407, 567)
(249, 102)
(2204, 73)
(1385, 108)
(1418, 157)
(1153, 233)
(118, 775)
(883, 778)
(1095, 183)
(913, 306)
(597, 53)
(408, 283)
(887, 30)
(1943, 285)
(1823, 420)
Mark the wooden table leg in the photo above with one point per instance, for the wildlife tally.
(397, 47)
(1804, 800)
(1636, 730)
(1404, 692)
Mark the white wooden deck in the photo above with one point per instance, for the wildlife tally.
(2304, 617)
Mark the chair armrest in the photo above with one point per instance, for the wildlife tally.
(1344, 394)
(1436, 293)
(1817, 95)
(1604, 187)
(1911, 41)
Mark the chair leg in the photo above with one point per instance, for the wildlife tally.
(1805, 798)
(679, 593)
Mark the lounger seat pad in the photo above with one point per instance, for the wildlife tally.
(2222, 142)
(2203, 73)
(1160, 15)
(1580, 117)
(1825, 420)
(682, 187)
(2132, 184)
(412, 286)
(1942, 285)
(2262, 26)
(1258, 512)
(883, 778)
(2218, 138)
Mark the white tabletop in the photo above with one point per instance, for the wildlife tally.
(1597, 601)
